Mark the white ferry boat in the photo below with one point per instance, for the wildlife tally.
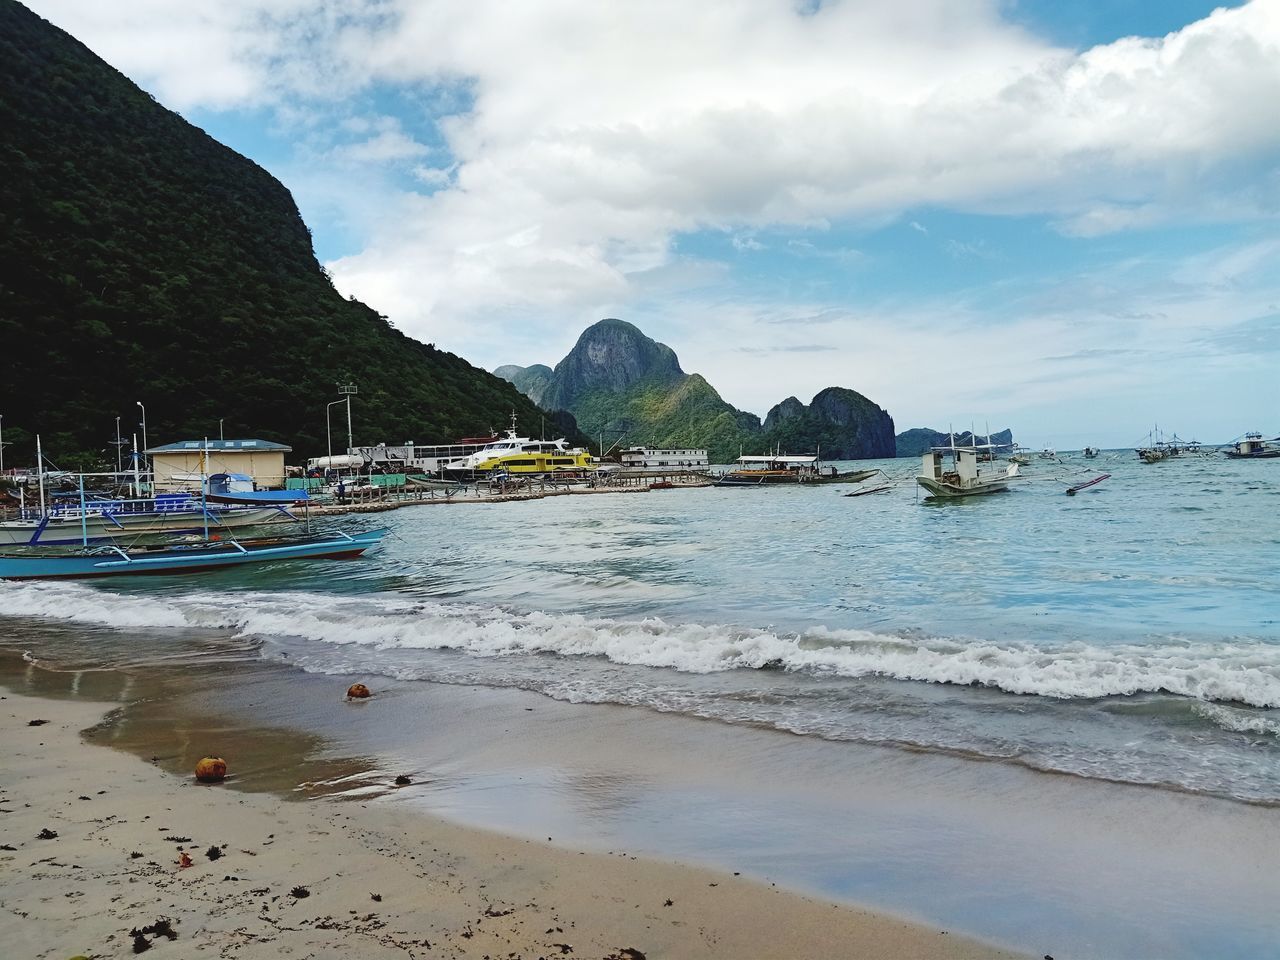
(653, 458)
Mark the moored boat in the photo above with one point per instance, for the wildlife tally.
(772, 470)
(960, 471)
(43, 564)
(115, 519)
(1252, 447)
(520, 456)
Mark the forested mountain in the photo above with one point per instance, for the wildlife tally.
(628, 389)
(145, 261)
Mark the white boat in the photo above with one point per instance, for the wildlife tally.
(653, 458)
(1252, 447)
(522, 455)
(964, 471)
(1090, 453)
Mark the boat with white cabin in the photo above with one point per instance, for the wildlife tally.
(1252, 447)
(964, 471)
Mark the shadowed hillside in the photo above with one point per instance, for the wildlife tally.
(143, 260)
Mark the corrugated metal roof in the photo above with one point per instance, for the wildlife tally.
(238, 446)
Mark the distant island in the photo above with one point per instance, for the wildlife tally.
(917, 441)
(621, 386)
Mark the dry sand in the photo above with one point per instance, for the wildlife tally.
(352, 880)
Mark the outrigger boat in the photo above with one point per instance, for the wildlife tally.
(770, 470)
(960, 471)
(115, 561)
(211, 552)
(100, 520)
(1252, 447)
(1158, 448)
(1090, 453)
(84, 519)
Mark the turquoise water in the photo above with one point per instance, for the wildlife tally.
(1130, 633)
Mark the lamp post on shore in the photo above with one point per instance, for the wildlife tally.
(348, 390)
(141, 406)
(2, 444)
(220, 420)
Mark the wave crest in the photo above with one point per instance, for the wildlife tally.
(1242, 671)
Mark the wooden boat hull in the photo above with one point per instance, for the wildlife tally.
(175, 560)
(1260, 455)
(761, 478)
(951, 492)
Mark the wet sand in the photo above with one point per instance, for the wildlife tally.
(343, 879)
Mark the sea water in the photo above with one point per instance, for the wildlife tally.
(1128, 635)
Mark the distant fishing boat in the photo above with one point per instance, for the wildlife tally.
(1252, 447)
(1090, 453)
(773, 470)
(962, 471)
(41, 564)
(1159, 448)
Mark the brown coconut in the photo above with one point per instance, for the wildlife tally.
(358, 691)
(211, 770)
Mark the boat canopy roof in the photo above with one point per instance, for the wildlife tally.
(766, 458)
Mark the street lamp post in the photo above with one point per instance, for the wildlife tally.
(1, 444)
(347, 390)
(220, 435)
(145, 446)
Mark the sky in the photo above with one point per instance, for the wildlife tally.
(1059, 217)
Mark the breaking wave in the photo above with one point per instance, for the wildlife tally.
(1245, 671)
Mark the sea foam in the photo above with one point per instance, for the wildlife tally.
(1245, 671)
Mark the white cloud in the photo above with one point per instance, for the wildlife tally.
(583, 138)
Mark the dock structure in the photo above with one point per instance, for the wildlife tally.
(516, 489)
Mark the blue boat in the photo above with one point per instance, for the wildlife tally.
(115, 561)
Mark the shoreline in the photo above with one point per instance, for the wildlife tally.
(466, 891)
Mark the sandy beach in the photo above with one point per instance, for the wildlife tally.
(269, 877)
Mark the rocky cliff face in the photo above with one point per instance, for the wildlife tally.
(531, 381)
(626, 388)
(915, 442)
(611, 356)
(788, 410)
(840, 423)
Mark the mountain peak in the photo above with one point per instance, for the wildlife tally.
(611, 355)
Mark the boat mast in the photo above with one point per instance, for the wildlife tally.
(84, 520)
(204, 484)
(137, 479)
(40, 474)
